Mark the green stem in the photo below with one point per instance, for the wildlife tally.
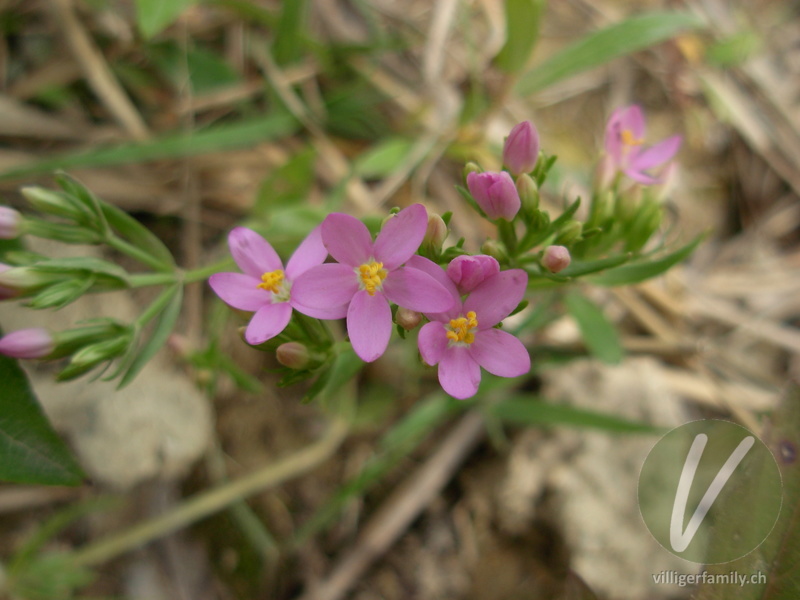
(138, 254)
(207, 503)
(508, 235)
(148, 279)
(202, 273)
(156, 306)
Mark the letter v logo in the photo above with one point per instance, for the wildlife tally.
(678, 539)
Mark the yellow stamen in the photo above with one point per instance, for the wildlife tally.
(461, 328)
(271, 281)
(372, 276)
(629, 139)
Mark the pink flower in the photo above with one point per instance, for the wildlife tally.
(468, 272)
(521, 149)
(624, 144)
(369, 276)
(463, 339)
(495, 193)
(264, 287)
(27, 343)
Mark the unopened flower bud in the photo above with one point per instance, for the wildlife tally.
(529, 196)
(435, 234)
(10, 223)
(468, 272)
(471, 167)
(94, 354)
(494, 249)
(27, 343)
(54, 203)
(521, 149)
(407, 319)
(571, 232)
(556, 258)
(293, 355)
(495, 193)
(25, 279)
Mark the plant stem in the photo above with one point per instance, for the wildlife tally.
(204, 272)
(143, 257)
(207, 503)
(147, 279)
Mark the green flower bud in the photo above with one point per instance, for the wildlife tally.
(293, 355)
(471, 167)
(54, 203)
(529, 197)
(435, 235)
(495, 249)
(407, 319)
(570, 233)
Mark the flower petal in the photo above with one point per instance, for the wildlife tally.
(656, 155)
(268, 322)
(254, 255)
(495, 298)
(330, 314)
(347, 239)
(401, 236)
(239, 291)
(459, 374)
(310, 253)
(431, 268)
(369, 325)
(324, 286)
(500, 353)
(416, 290)
(432, 342)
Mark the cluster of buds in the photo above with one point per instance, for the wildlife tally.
(73, 215)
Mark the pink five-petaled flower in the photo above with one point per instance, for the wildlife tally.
(495, 193)
(624, 144)
(521, 148)
(264, 287)
(463, 339)
(369, 276)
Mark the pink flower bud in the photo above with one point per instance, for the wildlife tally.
(27, 343)
(521, 149)
(468, 272)
(495, 193)
(407, 319)
(10, 222)
(556, 258)
(293, 355)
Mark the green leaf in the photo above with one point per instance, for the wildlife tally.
(288, 45)
(383, 158)
(288, 185)
(139, 235)
(155, 15)
(30, 451)
(526, 410)
(603, 46)
(161, 330)
(640, 271)
(599, 334)
(212, 139)
(522, 32)
(778, 556)
(104, 269)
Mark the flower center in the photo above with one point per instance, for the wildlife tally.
(271, 281)
(461, 329)
(372, 275)
(628, 139)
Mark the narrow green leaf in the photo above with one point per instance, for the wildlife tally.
(154, 15)
(213, 139)
(88, 264)
(526, 410)
(288, 45)
(600, 335)
(774, 563)
(161, 330)
(30, 451)
(640, 271)
(579, 268)
(603, 46)
(383, 158)
(136, 233)
(522, 32)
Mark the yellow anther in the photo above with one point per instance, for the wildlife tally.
(461, 329)
(372, 276)
(629, 139)
(271, 281)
